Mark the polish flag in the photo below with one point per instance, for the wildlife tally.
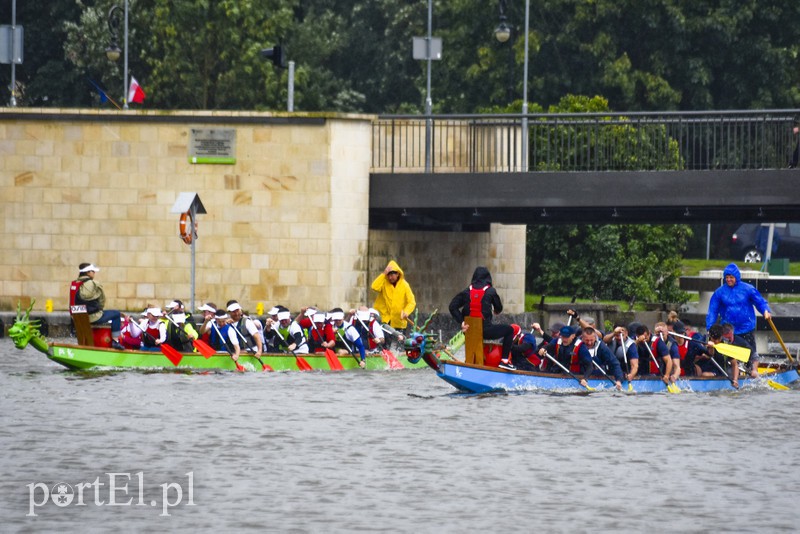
(135, 93)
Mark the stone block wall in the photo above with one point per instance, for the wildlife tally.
(288, 223)
(440, 264)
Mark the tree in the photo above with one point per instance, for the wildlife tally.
(44, 78)
(89, 35)
(629, 262)
(355, 55)
(207, 54)
(621, 262)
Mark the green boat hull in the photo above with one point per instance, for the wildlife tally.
(79, 357)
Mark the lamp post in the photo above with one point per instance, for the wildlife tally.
(503, 33)
(112, 52)
(428, 48)
(428, 101)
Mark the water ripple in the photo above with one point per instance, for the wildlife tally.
(391, 451)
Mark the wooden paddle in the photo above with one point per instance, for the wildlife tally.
(625, 357)
(735, 352)
(330, 356)
(614, 382)
(671, 386)
(726, 349)
(558, 363)
(264, 366)
(239, 366)
(780, 340)
(202, 347)
(771, 383)
(333, 360)
(718, 366)
(302, 364)
(172, 355)
(353, 354)
(390, 358)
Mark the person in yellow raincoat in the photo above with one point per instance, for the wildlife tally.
(395, 300)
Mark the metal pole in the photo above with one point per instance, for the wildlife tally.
(525, 92)
(290, 98)
(768, 252)
(708, 242)
(125, 74)
(428, 102)
(193, 210)
(13, 100)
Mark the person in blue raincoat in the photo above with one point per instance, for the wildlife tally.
(733, 303)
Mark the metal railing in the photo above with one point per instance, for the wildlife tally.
(731, 140)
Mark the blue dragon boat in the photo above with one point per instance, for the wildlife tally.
(474, 378)
(479, 373)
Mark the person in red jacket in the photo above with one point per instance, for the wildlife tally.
(480, 299)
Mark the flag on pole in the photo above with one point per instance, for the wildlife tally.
(135, 93)
(103, 95)
(99, 91)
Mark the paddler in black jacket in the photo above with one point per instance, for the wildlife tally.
(480, 299)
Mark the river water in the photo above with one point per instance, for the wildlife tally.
(390, 451)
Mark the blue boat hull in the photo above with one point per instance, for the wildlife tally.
(480, 379)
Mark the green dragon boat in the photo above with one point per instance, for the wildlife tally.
(80, 357)
(84, 356)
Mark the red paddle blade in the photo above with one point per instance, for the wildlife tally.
(239, 366)
(333, 360)
(172, 355)
(390, 358)
(265, 366)
(204, 348)
(302, 364)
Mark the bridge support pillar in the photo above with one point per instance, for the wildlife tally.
(440, 264)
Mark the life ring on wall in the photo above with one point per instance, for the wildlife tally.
(186, 227)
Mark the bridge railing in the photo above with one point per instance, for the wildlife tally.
(731, 140)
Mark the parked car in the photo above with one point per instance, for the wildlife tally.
(749, 242)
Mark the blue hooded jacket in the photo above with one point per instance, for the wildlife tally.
(734, 305)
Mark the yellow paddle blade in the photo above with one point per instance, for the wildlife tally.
(775, 385)
(673, 388)
(738, 353)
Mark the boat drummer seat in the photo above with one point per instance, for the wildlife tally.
(473, 345)
(83, 328)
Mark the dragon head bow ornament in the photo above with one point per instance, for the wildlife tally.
(25, 331)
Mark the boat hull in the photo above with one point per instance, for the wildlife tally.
(79, 357)
(480, 379)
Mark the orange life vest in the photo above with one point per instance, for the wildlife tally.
(574, 361)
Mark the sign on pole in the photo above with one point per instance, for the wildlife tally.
(11, 38)
(420, 47)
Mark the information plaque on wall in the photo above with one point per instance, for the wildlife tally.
(212, 145)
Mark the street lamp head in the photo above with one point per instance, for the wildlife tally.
(113, 52)
(503, 31)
